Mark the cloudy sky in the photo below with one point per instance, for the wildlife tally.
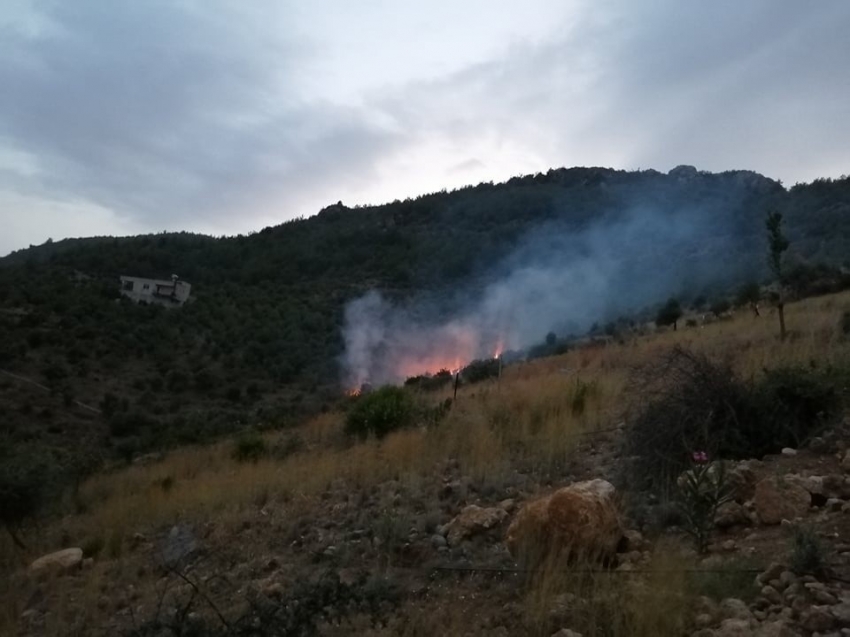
(125, 116)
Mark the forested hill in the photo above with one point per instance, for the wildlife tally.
(262, 336)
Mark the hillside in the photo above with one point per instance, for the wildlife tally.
(312, 532)
(261, 341)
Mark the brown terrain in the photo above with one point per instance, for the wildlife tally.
(406, 536)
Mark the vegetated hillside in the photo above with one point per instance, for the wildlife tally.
(316, 532)
(261, 338)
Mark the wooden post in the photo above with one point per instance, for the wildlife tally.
(457, 378)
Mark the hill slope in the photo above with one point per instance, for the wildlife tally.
(261, 341)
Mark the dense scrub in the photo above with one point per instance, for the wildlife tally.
(687, 402)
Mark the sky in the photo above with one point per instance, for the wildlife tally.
(224, 117)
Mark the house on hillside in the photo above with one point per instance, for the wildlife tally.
(169, 293)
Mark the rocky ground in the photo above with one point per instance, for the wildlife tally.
(429, 558)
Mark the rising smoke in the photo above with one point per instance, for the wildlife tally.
(558, 279)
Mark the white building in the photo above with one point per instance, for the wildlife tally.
(169, 293)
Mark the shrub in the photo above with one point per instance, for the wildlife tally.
(720, 306)
(794, 402)
(702, 489)
(27, 480)
(686, 401)
(430, 382)
(250, 446)
(845, 323)
(669, 314)
(807, 552)
(93, 546)
(479, 370)
(380, 412)
(733, 577)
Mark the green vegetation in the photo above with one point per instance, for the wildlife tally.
(777, 245)
(380, 412)
(687, 402)
(249, 446)
(808, 555)
(260, 341)
(669, 314)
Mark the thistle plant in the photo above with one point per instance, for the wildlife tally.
(702, 489)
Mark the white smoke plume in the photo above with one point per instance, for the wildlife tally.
(556, 280)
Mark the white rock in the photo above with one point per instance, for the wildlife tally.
(64, 560)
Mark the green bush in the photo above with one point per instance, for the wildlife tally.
(686, 401)
(27, 483)
(807, 552)
(250, 447)
(380, 412)
(479, 370)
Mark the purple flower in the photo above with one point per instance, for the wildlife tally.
(700, 457)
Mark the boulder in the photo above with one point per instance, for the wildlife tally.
(730, 514)
(472, 520)
(60, 561)
(741, 479)
(734, 628)
(578, 521)
(777, 628)
(775, 500)
(817, 619)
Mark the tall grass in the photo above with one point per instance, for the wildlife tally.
(531, 419)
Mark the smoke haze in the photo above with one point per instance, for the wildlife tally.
(557, 279)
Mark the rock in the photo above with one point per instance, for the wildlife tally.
(632, 541)
(836, 486)
(730, 514)
(741, 479)
(566, 632)
(845, 461)
(731, 608)
(508, 505)
(787, 578)
(771, 594)
(579, 520)
(813, 484)
(841, 613)
(61, 561)
(817, 619)
(472, 520)
(834, 505)
(438, 541)
(729, 545)
(774, 571)
(818, 445)
(777, 628)
(775, 500)
(788, 451)
(734, 628)
(703, 620)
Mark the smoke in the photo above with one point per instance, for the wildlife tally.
(558, 279)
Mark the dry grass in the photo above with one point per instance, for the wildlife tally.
(530, 419)
(652, 603)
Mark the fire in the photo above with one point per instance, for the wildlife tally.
(500, 347)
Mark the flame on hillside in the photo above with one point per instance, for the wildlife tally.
(450, 348)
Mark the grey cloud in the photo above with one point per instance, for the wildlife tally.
(170, 111)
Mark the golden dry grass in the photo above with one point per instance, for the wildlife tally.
(530, 418)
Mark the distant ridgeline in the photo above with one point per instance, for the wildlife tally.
(262, 338)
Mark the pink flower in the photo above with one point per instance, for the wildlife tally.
(700, 457)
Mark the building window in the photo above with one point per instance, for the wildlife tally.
(146, 286)
(128, 285)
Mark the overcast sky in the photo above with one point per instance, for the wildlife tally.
(125, 116)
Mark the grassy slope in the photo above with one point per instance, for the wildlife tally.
(527, 424)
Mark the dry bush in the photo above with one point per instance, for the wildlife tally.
(591, 601)
(687, 402)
